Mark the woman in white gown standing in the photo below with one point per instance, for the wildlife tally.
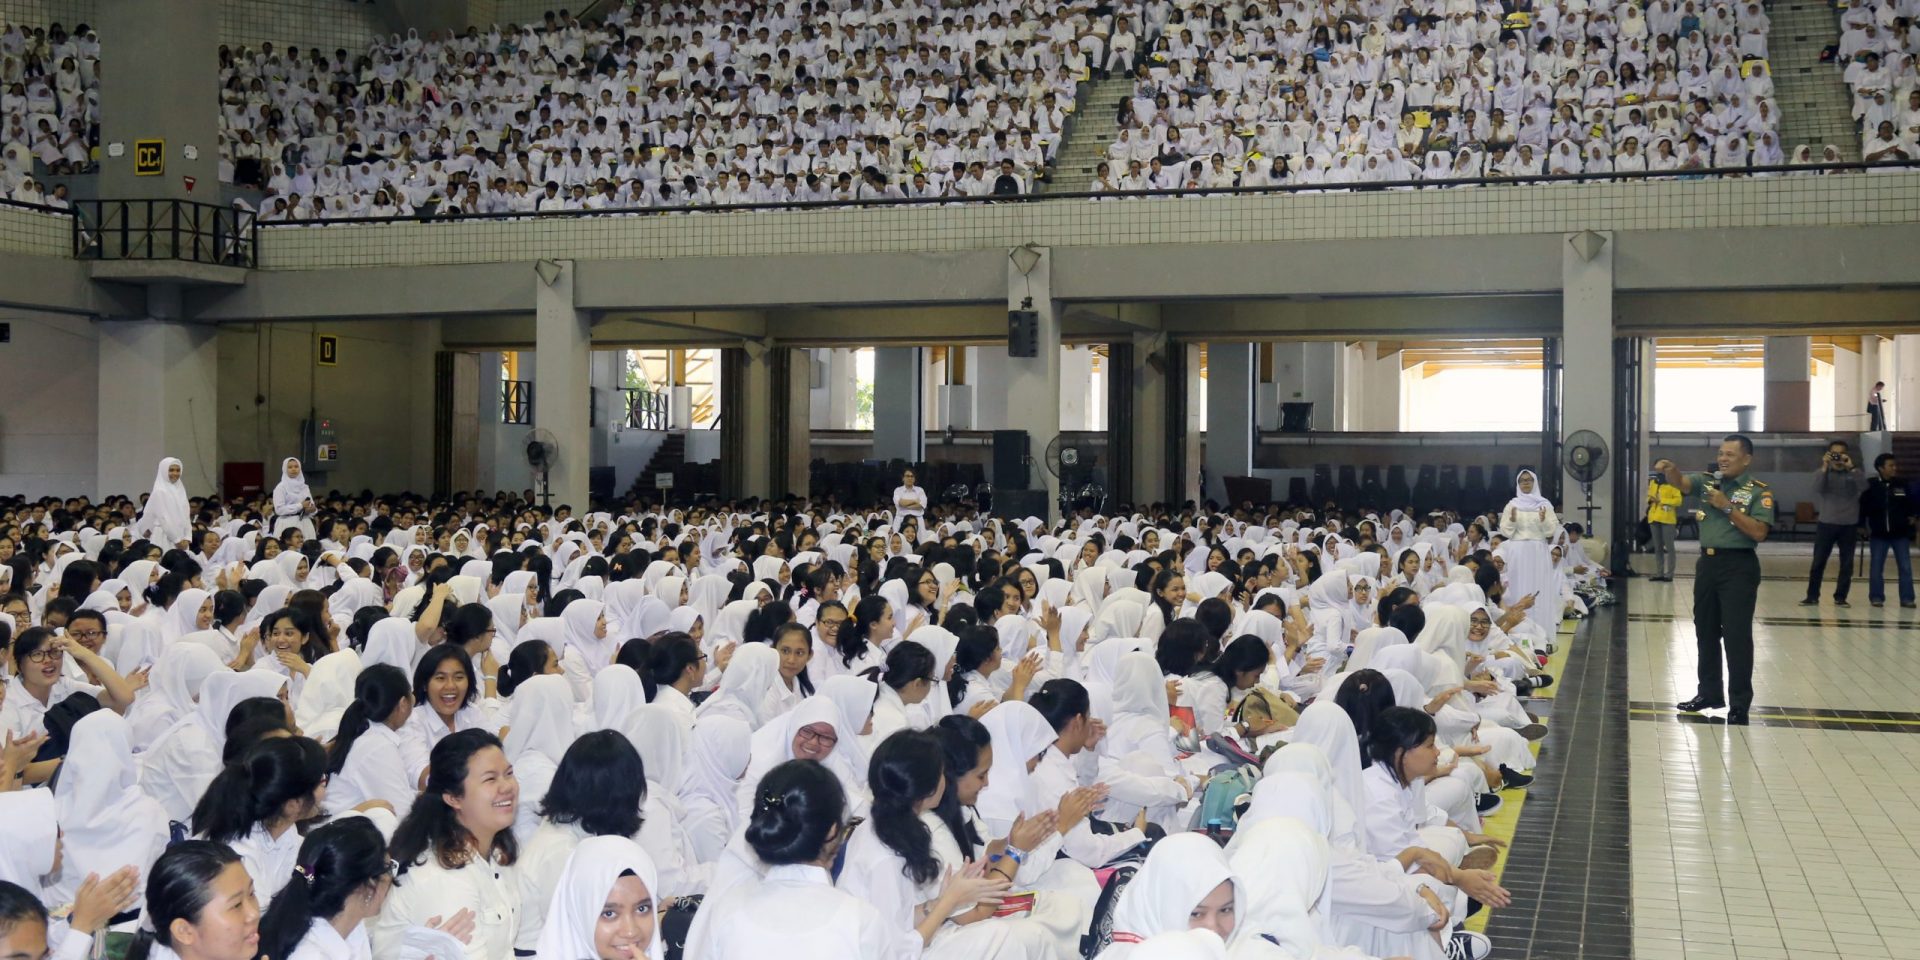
(1529, 524)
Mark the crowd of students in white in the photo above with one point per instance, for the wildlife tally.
(1878, 50)
(464, 727)
(831, 101)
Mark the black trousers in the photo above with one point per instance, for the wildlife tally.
(1826, 536)
(1725, 586)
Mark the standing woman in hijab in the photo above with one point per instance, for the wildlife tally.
(165, 519)
(292, 499)
(1529, 524)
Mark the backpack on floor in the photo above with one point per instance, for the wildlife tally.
(676, 922)
(1100, 931)
(1223, 799)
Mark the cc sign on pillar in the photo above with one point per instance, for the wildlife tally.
(149, 158)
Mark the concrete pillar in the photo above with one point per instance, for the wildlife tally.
(1312, 372)
(562, 374)
(1379, 388)
(755, 418)
(1229, 416)
(1076, 379)
(1853, 376)
(161, 73)
(830, 375)
(1648, 397)
(793, 476)
(423, 354)
(1586, 384)
(987, 373)
(899, 429)
(1788, 375)
(157, 400)
(1149, 434)
(1266, 389)
(1192, 431)
(1033, 383)
(608, 375)
(1904, 398)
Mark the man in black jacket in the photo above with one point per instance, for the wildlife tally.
(1887, 511)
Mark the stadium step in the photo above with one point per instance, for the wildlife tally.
(1095, 125)
(1815, 107)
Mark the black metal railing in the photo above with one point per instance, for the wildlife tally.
(160, 229)
(516, 401)
(646, 409)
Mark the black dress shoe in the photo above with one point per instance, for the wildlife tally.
(1514, 779)
(1698, 704)
(1737, 717)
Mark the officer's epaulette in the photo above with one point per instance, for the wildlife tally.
(1758, 482)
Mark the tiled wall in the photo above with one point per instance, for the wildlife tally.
(35, 233)
(330, 23)
(1776, 201)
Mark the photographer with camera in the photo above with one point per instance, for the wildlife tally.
(1836, 495)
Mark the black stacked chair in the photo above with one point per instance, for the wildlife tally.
(1372, 491)
(1449, 494)
(1426, 490)
(1323, 489)
(1297, 491)
(1473, 493)
(1398, 494)
(1347, 491)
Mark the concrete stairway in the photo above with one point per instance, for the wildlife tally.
(1094, 126)
(1815, 107)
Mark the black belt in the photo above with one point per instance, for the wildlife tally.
(1716, 551)
(126, 917)
(523, 953)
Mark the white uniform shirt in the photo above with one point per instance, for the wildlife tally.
(918, 497)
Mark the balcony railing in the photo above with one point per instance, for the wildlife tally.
(165, 230)
(516, 401)
(646, 409)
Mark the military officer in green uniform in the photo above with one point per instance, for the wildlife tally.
(1738, 515)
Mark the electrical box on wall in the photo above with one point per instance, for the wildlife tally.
(321, 445)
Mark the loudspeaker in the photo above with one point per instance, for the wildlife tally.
(1016, 504)
(1296, 417)
(1023, 333)
(1009, 461)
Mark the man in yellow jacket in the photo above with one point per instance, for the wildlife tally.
(1663, 516)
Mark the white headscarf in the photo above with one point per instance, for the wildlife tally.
(1281, 868)
(291, 489)
(1019, 733)
(165, 518)
(574, 912)
(106, 821)
(579, 618)
(540, 719)
(1323, 724)
(172, 689)
(1179, 873)
(720, 751)
(326, 694)
(1528, 501)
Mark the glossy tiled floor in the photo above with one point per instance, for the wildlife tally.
(1798, 837)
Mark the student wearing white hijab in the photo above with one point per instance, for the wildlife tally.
(823, 729)
(1529, 524)
(716, 760)
(604, 907)
(746, 686)
(1281, 868)
(292, 500)
(540, 728)
(172, 690)
(1138, 738)
(106, 823)
(177, 770)
(164, 519)
(1186, 883)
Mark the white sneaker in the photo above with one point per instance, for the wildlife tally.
(1467, 945)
